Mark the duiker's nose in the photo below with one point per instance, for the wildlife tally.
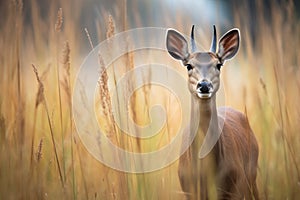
(204, 86)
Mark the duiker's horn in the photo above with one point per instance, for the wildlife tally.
(213, 46)
(193, 44)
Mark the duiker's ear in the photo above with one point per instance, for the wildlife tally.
(177, 45)
(229, 44)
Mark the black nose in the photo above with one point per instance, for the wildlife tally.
(204, 86)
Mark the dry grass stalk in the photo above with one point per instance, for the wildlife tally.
(106, 108)
(89, 38)
(59, 20)
(39, 150)
(104, 92)
(133, 100)
(58, 27)
(111, 27)
(65, 61)
(66, 57)
(39, 99)
(66, 84)
(106, 105)
(49, 123)
(20, 119)
(284, 134)
(40, 93)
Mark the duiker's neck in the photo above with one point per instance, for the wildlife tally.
(205, 110)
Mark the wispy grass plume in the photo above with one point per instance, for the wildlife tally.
(49, 121)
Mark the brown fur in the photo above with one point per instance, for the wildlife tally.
(232, 162)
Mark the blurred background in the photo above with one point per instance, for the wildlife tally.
(43, 44)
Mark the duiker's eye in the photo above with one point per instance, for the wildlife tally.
(189, 67)
(219, 65)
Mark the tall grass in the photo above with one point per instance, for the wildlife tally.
(43, 158)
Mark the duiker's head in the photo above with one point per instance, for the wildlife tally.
(203, 67)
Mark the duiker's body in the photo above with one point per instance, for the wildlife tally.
(229, 169)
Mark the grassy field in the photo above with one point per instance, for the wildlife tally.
(42, 48)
